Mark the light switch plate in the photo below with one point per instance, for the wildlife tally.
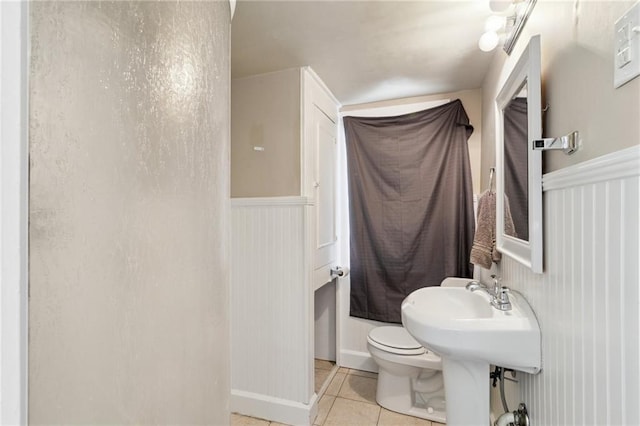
(626, 59)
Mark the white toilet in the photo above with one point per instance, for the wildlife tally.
(409, 377)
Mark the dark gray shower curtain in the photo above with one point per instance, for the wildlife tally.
(410, 205)
(516, 165)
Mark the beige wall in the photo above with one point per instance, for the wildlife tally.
(577, 78)
(129, 154)
(472, 102)
(265, 112)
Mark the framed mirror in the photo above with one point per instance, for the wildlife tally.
(518, 166)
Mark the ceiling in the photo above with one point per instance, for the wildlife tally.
(365, 51)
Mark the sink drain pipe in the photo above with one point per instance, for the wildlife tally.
(517, 418)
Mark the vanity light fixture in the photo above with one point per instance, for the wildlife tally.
(507, 21)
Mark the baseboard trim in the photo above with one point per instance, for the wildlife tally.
(358, 361)
(273, 409)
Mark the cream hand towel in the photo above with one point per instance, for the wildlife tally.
(484, 240)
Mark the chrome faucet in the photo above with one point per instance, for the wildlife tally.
(476, 285)
(498, 294)
(501, 300)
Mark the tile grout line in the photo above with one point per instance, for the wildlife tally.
(325, 395)
(379, 415)
(329, 411)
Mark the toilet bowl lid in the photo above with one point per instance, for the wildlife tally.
(397, 338)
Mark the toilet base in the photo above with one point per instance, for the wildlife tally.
(396, 393)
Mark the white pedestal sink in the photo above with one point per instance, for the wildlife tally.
(469, 334)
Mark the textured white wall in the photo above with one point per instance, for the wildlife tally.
(129, 189)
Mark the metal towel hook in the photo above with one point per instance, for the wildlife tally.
(492, 172)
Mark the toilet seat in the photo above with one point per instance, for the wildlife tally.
(395, 340)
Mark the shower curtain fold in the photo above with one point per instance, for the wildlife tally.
(410, 205)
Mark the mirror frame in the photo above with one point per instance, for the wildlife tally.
(527, 69)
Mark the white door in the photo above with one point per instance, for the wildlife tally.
(325, 233)
(14, 212)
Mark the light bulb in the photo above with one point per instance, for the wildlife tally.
(499, 5)
(488, 41)
(494, 23)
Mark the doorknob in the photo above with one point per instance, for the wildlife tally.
(339, 272)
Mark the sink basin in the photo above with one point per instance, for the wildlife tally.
(470, 334)
(457, 323)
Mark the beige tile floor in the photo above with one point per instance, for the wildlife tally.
(323, 370)
(350, 400)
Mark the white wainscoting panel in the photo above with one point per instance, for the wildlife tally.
(587, 301)
(271, 311)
